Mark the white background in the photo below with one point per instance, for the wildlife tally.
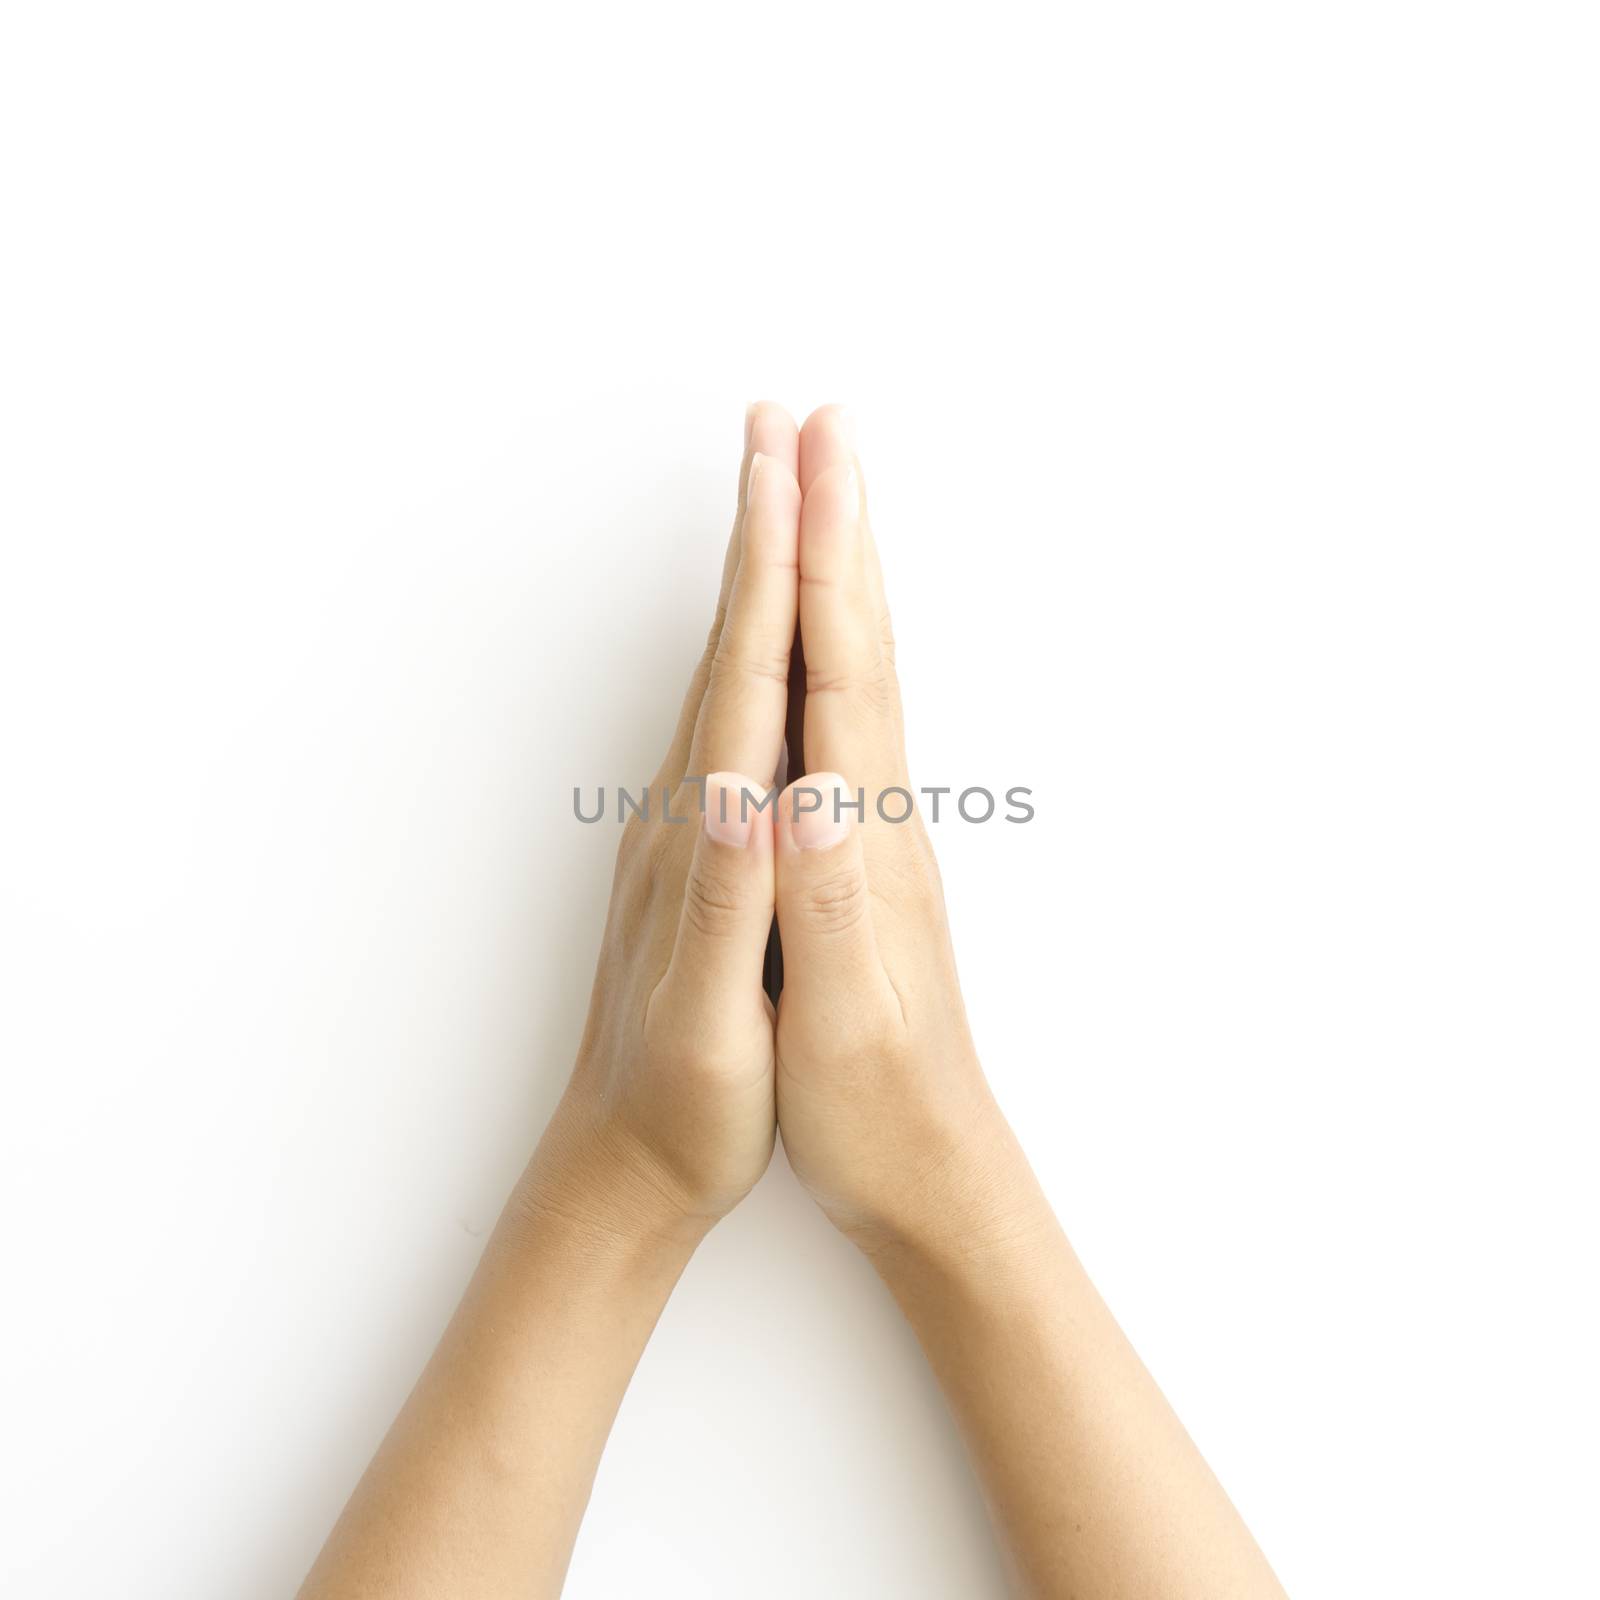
(370, 395)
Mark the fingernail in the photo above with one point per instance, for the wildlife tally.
(822, 807)
(750, 479)
(749, 423)
(729, 817)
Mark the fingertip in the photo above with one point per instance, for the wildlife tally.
(837, 489)
(738, 809)
(827, 437)
(819, 811)
(771, 485)
(830, 519)
(769, 429)
(771, 534)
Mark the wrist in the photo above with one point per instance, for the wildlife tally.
(973, 1202)
(592, 1184)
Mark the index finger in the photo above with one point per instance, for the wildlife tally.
(768, 430)
(852, 717)
(741, 721)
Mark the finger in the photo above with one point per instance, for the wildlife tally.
(852, 713)
(824, 911)
(728, 898)
(768, 430)
(828, 439)
(740, 726)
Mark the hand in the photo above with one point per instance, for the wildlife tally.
(885, 1112)
(673, 1087)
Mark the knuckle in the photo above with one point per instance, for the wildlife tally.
(882, 690)
(862, 1032)
(632, 879)
(873, 1033)
(714, 635)
(681, 1046)
(837, 902)
(665, 844)
(712, 905)
(871, 686)
(747, 661)
(837, 679)
(667, 1037)
(635, 840)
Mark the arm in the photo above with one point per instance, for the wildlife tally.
(484, 1477)
(667, 1122)
(1095, 1487)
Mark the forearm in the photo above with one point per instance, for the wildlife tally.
(1091, 1478)
(484, 1477)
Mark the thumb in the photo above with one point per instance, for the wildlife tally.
(721, 942)
(824, 912)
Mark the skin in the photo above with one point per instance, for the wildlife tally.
(682, 1078)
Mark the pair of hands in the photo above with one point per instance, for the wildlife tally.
(685, 1074)
(685, 1071)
